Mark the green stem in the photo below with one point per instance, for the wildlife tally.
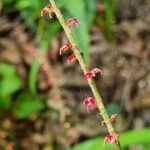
(85, 69)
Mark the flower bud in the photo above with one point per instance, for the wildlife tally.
(92, 73)
(47, 10)
(72, 21)
(89, 104)
(71, 58)
(64, 48)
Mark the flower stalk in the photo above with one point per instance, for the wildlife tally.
(85, 69)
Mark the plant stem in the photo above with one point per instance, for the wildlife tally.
(85, 69)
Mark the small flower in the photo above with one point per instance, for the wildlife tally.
(92, 73)
(111, 138)
(89, 104)
(47, 10)
(65, 47)
(72, 21)
(112, 119)
(71, 58)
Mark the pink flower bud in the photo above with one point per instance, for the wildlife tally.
(47, 10)
(89, 104)
(65, 47)
(92, 73)
(72, 21)
(111, 138)
(71, 58)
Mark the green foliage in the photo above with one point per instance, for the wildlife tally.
(83, 10)
(10, 83)
(30, 11)
(140, 136)
(106, 22)
(27, 105)
(7, 1)
(33, 75)
(45, 31)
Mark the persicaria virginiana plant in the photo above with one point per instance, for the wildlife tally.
(90, 103)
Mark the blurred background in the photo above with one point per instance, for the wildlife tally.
(41, 96)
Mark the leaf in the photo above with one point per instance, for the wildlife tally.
(140, 136)
(106, 22)
(27, 105)
(5, 102)
(7, 69)
(10, 81)
(33, 75)
(90, 7)
(10, 85)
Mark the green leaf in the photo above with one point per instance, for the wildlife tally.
(140, 136)
(33, 75)
(7, 69)
(10, 81)
(106, 22)
(10, 85)
(27, 105)
(5, 102)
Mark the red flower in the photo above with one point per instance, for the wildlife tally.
(92, 73)
(111, 138)
(47, 10)
(65, 47)
(89, 104)
(72, 21)
(71, 58)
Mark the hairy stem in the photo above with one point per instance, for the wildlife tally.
(85, 69)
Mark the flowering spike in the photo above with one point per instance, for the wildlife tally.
(72, 21)
(111, 138)
(89, 104)
(71, 58)
(48, 10)
(65, 47)
(92, 73)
